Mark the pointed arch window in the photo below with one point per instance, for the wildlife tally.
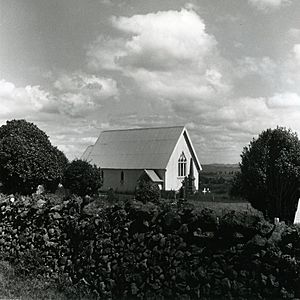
(182, 165)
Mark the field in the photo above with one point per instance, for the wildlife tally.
(216, 182)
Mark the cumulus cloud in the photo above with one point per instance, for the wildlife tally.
(165, 37)
(105, 52)
(79, 93)
(17, 101)
(282, 100)
(169, 54)
(75, 94)
(263, 66)
(265, 5)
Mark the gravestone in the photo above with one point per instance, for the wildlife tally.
(297, 215)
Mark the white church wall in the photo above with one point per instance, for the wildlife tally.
(173, 181)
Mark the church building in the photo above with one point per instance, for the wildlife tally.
(165, 155)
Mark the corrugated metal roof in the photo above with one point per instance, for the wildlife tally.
(142, 148)
(87, 152)
(153, 176)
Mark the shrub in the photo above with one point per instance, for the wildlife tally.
(82, 178)
(147, 191)
(28, 159)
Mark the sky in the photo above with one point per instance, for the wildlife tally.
(226, 69)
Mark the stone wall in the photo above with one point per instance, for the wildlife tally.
(151, 251)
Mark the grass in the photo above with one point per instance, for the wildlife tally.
(223, 207)
(15, 286)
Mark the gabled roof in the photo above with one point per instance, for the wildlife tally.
(141, 148)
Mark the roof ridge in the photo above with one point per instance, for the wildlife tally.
(144, 128)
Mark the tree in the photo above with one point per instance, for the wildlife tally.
(82, 178)
(28, 159)
(270, 173)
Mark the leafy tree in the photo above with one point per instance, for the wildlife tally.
(82, 178)
(236, 185)
(270, 173)
(28, 159)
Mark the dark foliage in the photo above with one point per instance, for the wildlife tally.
(82, 178)
(270, 173)
(28, 159)
(236, 189)
(147, 191)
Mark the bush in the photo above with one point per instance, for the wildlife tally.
(28, 159)
(82, 178)
(147, 191)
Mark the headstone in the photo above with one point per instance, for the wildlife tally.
(297, 215)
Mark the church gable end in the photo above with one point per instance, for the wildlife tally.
(180, 161)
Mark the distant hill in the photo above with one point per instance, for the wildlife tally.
(220, 168)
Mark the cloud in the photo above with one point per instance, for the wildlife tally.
(17, 101)
(294, 33)
(165, 38)
(283, 100)
(265, 5)
(169, 54)
(76, 94)
(79, 93)
(296, 50)
(105, 52)
(290, 71)
(263, 66)
(191, 6)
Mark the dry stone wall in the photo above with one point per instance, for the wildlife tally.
(147, 251)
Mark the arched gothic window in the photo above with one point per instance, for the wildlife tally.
(182, 165)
